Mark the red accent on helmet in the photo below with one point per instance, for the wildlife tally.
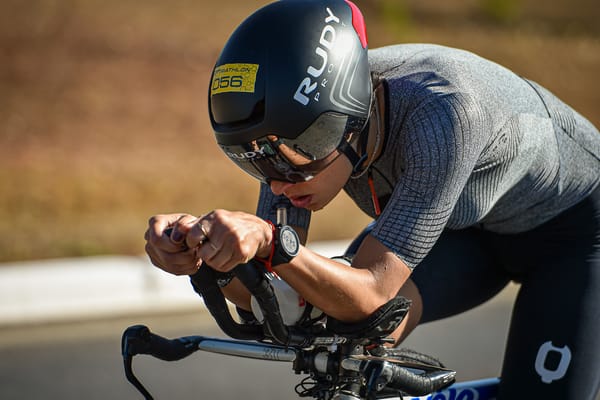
(358, 22)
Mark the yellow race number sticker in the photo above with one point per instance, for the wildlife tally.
(234, 78)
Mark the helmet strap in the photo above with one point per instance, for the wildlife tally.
(370, 143)
(368, 146)
(355, 160)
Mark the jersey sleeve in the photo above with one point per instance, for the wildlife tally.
(438, 144)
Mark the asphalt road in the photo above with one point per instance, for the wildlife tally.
(82, 360)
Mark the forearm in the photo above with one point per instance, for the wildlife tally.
(348, 293)
(339, 290)
(344, 292)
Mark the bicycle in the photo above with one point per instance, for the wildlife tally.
(342, 361)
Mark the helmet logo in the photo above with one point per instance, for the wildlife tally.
(247, 154)
(326, 42)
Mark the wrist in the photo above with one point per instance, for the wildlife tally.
(265, 250)
(284, 246)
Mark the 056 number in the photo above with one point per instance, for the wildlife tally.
(223, 82)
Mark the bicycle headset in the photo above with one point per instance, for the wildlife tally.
(291, 89)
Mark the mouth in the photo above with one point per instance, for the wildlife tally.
(301, 201)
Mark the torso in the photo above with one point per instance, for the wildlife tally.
(468, 143)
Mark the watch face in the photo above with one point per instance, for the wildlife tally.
(289, 240)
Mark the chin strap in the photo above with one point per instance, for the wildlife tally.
(374, 149)
(358, 161)
(346, 149)
(355, 160)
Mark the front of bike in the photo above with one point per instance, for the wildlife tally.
(341, 361)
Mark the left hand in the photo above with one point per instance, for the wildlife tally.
(166, 248)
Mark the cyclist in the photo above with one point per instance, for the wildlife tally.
(474, 177)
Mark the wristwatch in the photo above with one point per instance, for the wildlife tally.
(287, 244)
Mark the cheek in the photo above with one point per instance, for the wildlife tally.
(339, 173)
(325, 196)
(330, 182)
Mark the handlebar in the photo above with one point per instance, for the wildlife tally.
(204, 283)
(138, 339)
(253, 277)
(379, 373)
(331, 359)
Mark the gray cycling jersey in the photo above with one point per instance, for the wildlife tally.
(468, 143)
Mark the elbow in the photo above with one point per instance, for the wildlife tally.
(359, 310)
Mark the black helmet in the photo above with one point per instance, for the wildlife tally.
(291, 88)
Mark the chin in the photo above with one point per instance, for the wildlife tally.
(317, 206)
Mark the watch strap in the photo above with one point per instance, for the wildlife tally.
(278, 254)
(268, 262)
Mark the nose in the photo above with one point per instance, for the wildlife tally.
(279, 187)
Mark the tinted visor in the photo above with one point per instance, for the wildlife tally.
(296, 160)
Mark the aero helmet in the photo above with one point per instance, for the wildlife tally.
(291, 89)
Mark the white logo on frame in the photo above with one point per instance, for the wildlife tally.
(550, 375)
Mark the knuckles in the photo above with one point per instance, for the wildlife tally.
(237, 234)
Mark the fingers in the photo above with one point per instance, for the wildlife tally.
(157, 232)
(181, 229)
(222, 258)
(197, 232)
(210, 246)
(178, 243)
(226, 239)
(165, 244)
(182, 263)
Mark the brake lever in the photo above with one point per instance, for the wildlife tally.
(132, 344)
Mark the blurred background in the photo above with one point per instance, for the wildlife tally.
(103, 123)
(103, 114)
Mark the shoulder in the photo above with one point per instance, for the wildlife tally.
(418, 70)
(427, 79)
(418, 55)
(426, 64)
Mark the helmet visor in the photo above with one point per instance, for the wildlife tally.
(278, 158)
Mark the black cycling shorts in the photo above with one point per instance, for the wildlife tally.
(553, 348)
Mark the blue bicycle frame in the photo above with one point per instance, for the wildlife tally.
(480, 389)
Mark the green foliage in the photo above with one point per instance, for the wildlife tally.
(396, 17)
(501, 11)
